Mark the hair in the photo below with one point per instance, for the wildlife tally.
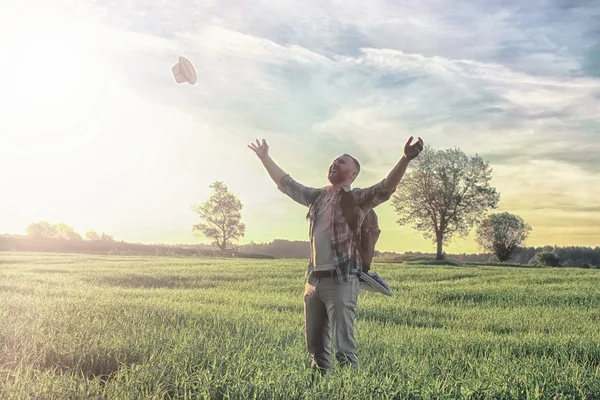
(355, 162)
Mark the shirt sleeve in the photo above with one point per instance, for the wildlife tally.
(298, 192)
(372, 196)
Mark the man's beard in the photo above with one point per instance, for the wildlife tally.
(335, 176)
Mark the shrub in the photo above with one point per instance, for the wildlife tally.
(548, 259)
(569, 263)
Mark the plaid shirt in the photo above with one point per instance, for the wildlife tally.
(345, 256)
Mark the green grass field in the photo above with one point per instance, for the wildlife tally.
(111, 327)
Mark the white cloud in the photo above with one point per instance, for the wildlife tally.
(214, 43)
(445, 67)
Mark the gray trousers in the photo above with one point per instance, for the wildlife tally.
(329, 306)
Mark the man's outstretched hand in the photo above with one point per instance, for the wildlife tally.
(261, 149)
(411, 151)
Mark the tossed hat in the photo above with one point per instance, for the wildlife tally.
(184, 71)
(372, 282)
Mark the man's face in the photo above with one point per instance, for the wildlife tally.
(343, 169)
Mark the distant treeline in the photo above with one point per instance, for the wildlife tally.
(110, 247)
(571, 256)
(279, 248)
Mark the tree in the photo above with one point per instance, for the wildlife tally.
(445, 194)
(95, 236)
(107, 238)
(502, 234)
(42, 229)
(221, 217)
(65, 231)
(92, 235)
(549, 259)
(569, 263)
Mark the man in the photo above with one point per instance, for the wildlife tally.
(332, 283)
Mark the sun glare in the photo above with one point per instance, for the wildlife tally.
(49, 71)
(52, 69)
(54, 73)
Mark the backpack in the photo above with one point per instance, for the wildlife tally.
(369, 230)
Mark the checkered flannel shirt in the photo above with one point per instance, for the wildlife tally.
(345, 257)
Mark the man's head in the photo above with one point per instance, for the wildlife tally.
(343, 170)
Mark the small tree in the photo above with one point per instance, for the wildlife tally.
(446, 193)
(65, 231)
(107, 238)
(502, 234)
(221, 217)
(547, 259)
(92, 235)
(42, 229)
(99, 237)
(569, 263)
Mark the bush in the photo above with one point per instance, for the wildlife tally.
(548, 259)
(569, 263)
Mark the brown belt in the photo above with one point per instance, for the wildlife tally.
(327, 274)
(324, 274)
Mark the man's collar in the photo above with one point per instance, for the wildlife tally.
(347, 188)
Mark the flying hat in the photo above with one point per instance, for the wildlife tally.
(184, 71)
(372, 282)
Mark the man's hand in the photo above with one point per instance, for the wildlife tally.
(411, 151)
(261, 149)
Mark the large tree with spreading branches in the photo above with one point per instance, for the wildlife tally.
(446, 193)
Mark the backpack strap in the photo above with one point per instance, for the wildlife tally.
(348, 204)
(314, 203)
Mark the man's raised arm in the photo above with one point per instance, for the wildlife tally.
(262, 151)
(410, 152)
(298, 192)
(372, 196)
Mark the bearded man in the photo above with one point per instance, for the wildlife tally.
(332, 277)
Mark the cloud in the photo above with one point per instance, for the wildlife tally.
(301, 67)
(591, 63)
(541, 186)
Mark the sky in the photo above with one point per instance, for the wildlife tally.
(96, 133)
